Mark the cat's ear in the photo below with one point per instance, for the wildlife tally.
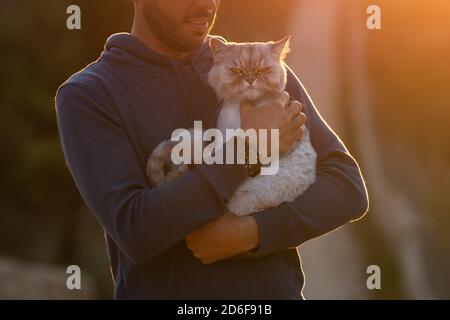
(217, 45)
(282, 48)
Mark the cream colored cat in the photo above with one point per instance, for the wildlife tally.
(251, 72)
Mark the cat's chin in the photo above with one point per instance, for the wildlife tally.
(248, 94)
(252, 94)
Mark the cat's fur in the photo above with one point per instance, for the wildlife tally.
(249, 72)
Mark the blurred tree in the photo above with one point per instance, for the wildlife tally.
(42, 217)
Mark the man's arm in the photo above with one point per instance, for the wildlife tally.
(142, 221)
(338, 196)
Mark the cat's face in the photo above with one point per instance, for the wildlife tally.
(248, 69)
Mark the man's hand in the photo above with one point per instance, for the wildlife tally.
(280, 113)
(223, 238)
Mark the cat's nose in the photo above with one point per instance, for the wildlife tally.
(250, 80)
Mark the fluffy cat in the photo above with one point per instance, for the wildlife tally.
(251, 72)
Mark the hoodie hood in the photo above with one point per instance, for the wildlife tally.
(129, 52)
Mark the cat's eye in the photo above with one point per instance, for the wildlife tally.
(263, 70)
(237, 71)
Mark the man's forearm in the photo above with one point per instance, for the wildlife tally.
(338, 196)
(142, 221)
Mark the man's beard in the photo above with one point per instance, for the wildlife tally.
(167, 31)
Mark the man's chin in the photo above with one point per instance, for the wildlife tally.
(192, 41)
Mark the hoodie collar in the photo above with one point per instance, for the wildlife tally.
(129, 52)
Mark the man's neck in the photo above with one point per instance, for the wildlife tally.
(141, 31)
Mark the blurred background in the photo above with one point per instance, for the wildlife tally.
(385, 92)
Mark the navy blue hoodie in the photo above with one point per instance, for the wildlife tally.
(110, 117)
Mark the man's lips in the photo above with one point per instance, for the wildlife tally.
(200, 24)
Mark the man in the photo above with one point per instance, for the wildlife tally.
(177, 241)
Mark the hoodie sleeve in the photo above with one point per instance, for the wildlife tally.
(142, 221)
(338, 196)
